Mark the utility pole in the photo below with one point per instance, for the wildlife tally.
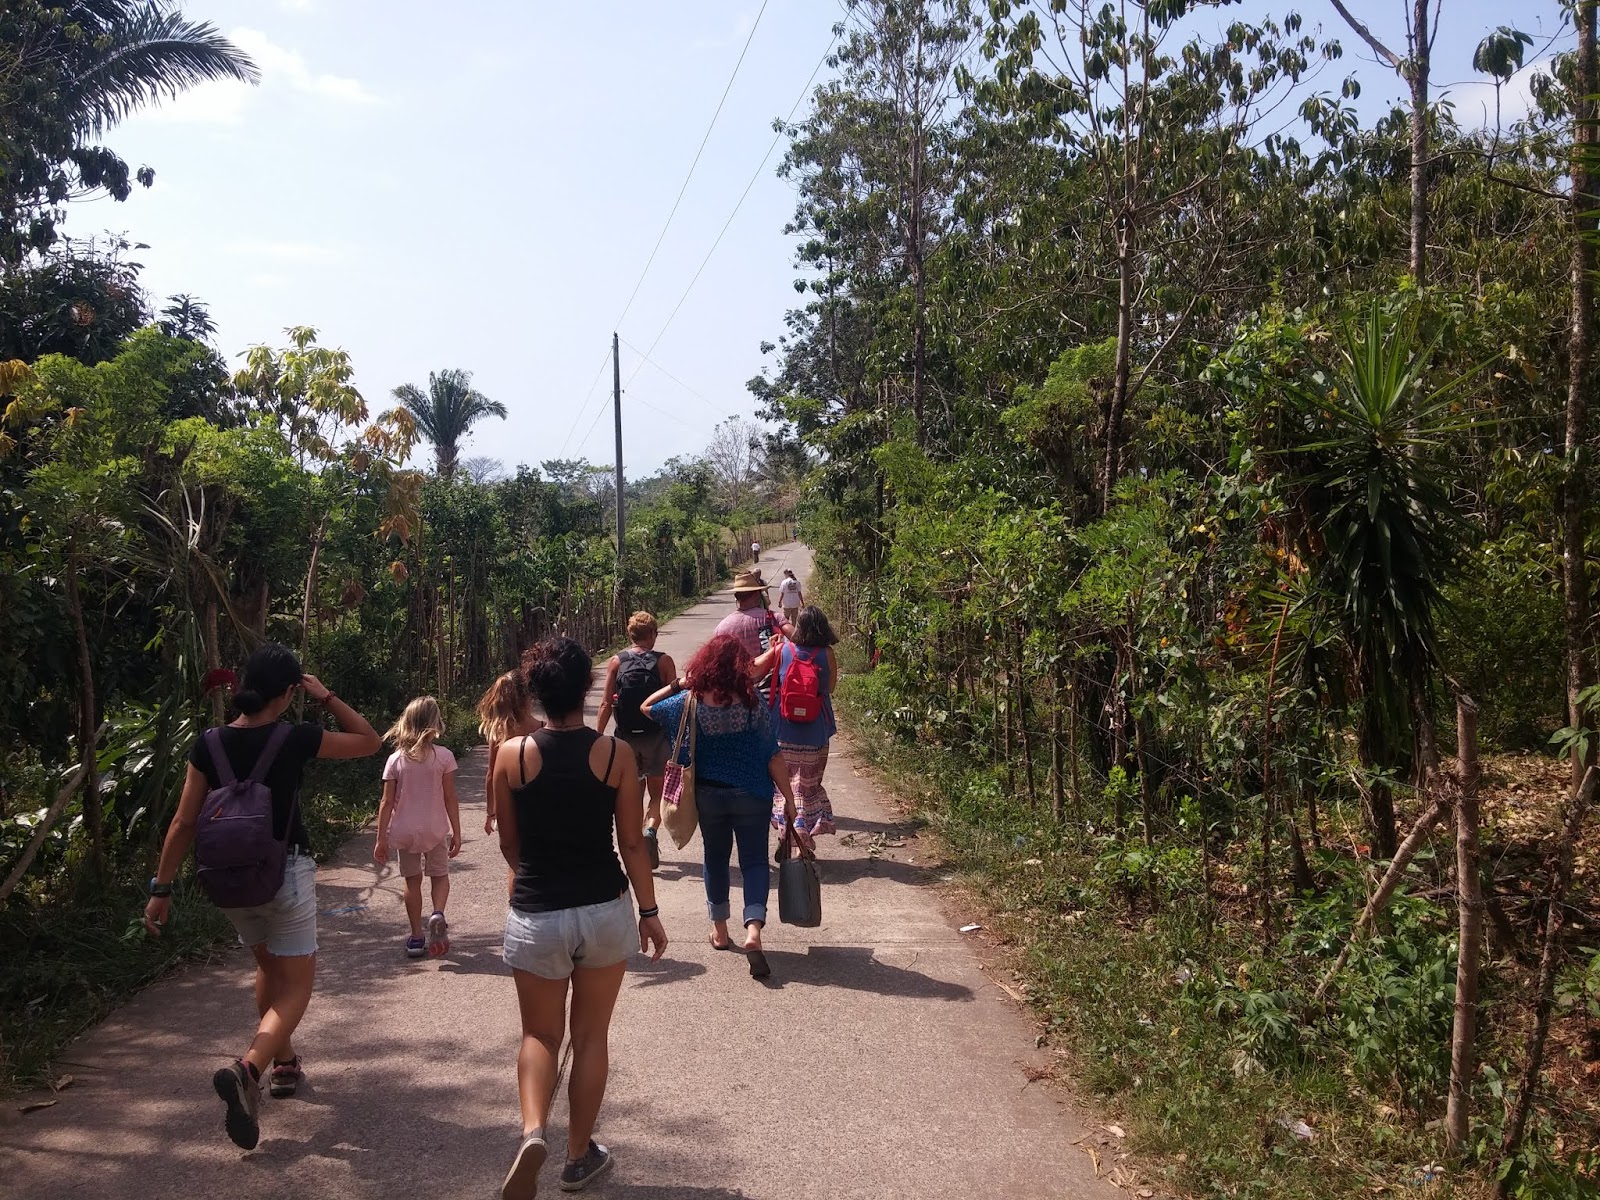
(616, 404)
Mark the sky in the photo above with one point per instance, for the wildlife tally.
(483, 191)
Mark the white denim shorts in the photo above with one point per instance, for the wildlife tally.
(551, 944)
(286, 924)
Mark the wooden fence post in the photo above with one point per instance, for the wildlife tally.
(1469, 909)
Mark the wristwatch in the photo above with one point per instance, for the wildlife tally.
(159, 889)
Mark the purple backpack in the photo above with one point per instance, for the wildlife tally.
(238, 861)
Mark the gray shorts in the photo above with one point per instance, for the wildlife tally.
(650, 749)
(286, 924)
(551, 944)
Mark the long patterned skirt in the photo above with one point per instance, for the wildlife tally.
(806, 766)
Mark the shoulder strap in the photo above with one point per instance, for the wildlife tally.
(280, 734)
(219, 756)
(683, 723)
(522, 757)
(610, 762)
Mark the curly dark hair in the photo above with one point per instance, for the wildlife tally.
(559, 672)
(722, 667)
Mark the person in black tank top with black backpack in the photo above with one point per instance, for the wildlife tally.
(631, 678)
(559, 794)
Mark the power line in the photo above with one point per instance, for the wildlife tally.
(578, 416)
(697, 395)
(755, 175)
(634, 294)
(644, 356)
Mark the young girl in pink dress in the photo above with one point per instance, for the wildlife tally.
(421, 818)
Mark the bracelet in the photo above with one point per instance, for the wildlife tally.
(653, 911)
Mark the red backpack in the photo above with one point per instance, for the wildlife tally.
(800, 693)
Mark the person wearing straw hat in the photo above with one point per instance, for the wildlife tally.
(754, 626)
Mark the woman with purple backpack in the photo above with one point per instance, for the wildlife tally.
(231, 769)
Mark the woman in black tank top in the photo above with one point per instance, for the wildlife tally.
(559, 795)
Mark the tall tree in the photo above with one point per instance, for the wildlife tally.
(1156, 139)
(70, 71)
(1414, 69)
(1580, 356)
(446, 412)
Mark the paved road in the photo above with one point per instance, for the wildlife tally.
(877, 1061)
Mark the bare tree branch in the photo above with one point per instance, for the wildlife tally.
(1366, 35)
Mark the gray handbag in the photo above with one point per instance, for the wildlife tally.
(799, 883)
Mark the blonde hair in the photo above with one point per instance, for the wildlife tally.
(642, 626)
(504, 708)
(417, 729)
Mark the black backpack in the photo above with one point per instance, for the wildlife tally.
(638, 677)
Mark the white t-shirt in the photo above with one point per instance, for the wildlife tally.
(755, 547)
(789, 594)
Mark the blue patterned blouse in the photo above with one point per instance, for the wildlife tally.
(733, 744)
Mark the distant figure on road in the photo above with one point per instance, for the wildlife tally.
(281, 934)
(755, 626)
(737, 766)
(420, 817)
(559, 794)
(790, 596)
(631, 677)
(505, 712)
(755, 554)
(808, 669)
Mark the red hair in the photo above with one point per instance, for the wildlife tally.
(722, 667)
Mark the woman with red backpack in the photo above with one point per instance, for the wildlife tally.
(256, 864)
(807, 670)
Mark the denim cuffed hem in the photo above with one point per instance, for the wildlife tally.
(755, 912)
(719, 912)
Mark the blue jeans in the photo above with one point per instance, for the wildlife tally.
(728, 815)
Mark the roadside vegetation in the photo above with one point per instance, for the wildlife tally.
(1208, 485)
(161, 514)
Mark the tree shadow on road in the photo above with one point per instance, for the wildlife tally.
(902, 828)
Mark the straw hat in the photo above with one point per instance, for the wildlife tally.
(749, 581)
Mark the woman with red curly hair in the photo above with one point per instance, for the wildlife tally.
(737, 764)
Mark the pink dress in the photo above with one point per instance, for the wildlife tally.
(420, 821)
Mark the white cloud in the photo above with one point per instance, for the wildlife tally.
(225, 101)
(280, 64)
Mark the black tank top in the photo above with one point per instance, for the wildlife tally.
(564, 823)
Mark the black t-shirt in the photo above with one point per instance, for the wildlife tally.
(244, 746)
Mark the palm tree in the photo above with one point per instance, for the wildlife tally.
(446, 412)
(136, 53)
(186, 317)
(69, 72)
